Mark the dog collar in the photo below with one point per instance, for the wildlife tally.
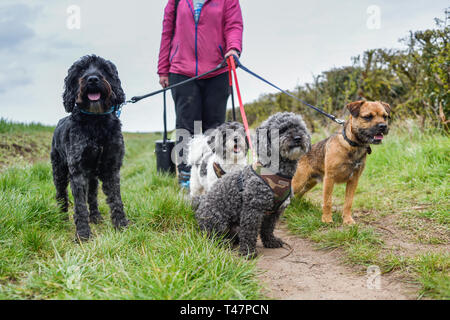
(278, 183)
(353, 143)
(218, 170)
(111, 110)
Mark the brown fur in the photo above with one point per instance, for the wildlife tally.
(334, 160)
(96, 107)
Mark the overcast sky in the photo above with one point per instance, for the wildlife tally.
(287, 41)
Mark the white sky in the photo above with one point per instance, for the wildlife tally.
(286, 41)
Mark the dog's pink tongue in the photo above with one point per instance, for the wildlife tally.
(94, 96)
(379, 137)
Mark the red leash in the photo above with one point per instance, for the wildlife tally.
(232, 67)
(230, 82)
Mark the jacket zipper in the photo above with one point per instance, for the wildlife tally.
(196, 32)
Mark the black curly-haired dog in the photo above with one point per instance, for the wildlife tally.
(251, 200)
(88, 144)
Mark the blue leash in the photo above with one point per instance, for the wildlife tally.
(330, 116)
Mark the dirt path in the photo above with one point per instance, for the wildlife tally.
(311, 274)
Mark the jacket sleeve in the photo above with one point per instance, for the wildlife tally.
(234, 25)
(166, 39)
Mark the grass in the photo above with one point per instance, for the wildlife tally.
(401, 207)
(23, 143)
(404, 190)
(13, 127)
(160, 256)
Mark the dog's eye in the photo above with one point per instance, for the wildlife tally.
(368, 118)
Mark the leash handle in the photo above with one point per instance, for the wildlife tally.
(241, 105)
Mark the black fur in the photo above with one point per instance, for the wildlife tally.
(88, 147)
(236, 204)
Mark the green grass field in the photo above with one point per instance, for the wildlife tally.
(160, 256)
(401, 206)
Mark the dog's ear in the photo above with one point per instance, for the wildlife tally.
(118, 96)
(71, 88)
(386, 106)
(354, 107)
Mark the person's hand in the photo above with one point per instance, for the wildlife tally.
(164, 81)
(232, 52)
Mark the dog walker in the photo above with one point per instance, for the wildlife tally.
(164, 148)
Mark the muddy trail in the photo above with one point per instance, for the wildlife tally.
(311, 274)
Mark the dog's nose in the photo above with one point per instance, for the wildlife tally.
(297, 139)
(93, 79)
(382, 126)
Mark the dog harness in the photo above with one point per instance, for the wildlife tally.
(353, 143)
(218, 170)
(279, 184)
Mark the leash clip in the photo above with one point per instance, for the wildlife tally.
(119, 108)
(339, 121)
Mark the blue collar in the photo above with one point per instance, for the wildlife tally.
(113, 109)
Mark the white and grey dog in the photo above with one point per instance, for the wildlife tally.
(214, 155)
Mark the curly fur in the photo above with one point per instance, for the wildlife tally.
(87, 147)
(226, 145)
(238, 213)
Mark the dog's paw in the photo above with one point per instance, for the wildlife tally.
(273, 243)
(248, 254)
(326, 219)
(121, 223)
(82, 235)
(349, 221)
(96, 218)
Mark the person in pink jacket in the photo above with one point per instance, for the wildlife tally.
(197, 35)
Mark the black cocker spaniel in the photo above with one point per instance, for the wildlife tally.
(88, 145)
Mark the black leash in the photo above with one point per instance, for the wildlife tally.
(138, 98)
(240, 65)
(232, 102)
(165, 120)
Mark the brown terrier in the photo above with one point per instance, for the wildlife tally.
(341, 158)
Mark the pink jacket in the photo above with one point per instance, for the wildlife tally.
(197, 48)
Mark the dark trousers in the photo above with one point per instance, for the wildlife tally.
(202, 100)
